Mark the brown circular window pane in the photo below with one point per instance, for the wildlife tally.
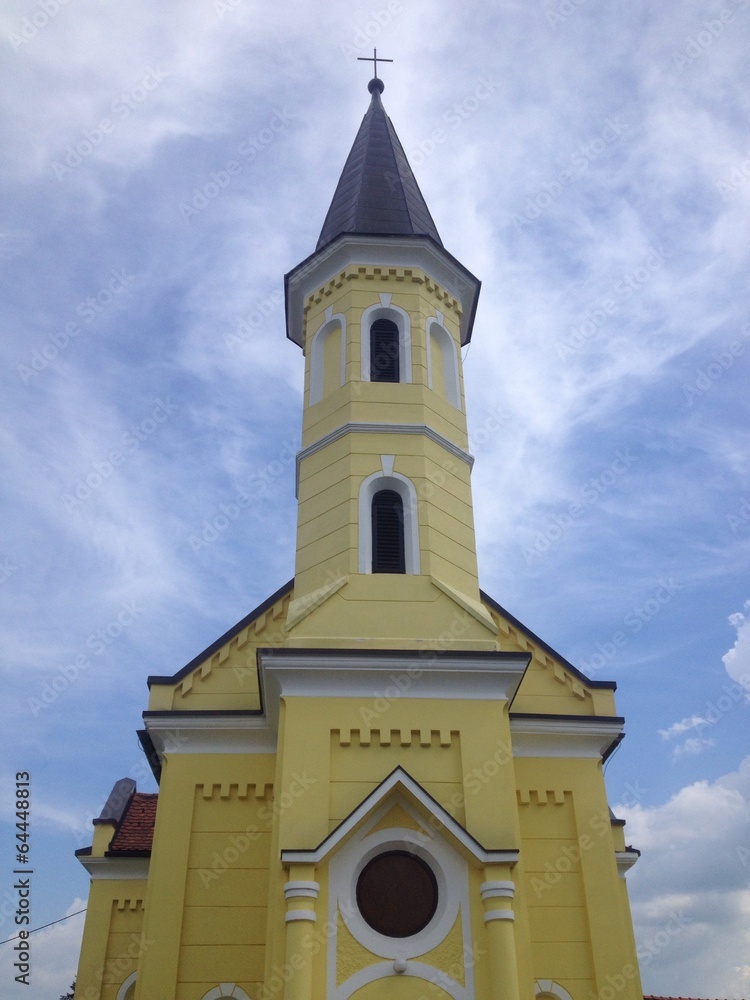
(397, 894)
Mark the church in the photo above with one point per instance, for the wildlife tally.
(379, 785)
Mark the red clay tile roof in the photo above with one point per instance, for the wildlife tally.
(136, 831)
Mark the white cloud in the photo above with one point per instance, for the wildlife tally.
(692, 747)
(678, 728)
(737, 663)
(737, 660)
(54, 957)
(689, 891)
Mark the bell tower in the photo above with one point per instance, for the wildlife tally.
(385, 533)
(379, 784)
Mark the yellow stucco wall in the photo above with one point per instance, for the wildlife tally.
(214, 909)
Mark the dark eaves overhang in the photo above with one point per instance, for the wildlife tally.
(600, 685)
(383, 250)
(222, 640)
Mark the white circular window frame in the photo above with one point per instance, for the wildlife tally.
(449, 876)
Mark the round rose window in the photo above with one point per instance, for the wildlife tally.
(397, 894)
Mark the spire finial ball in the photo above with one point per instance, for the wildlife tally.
(376, 84)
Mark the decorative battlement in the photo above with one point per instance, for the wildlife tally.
(394, 737)
(235, 790)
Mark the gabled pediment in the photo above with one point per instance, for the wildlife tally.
(399, 788)
(552, 685)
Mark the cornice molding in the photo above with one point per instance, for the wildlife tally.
(625, 861)
(210, 732)
(115, 868)
(564, 736)
(379, 251)
(340, 673)
(381, 428)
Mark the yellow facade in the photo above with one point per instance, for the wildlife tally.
(361, 716)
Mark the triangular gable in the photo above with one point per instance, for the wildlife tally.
(552, 685)
(400, 783)
(225, 675)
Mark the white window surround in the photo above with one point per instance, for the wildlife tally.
(333, 323)
(401, 319)
(398, 954)
(546, 987)
(432, 852)
(127, 990)
(436, 329)
(405, 488)
(226, 990)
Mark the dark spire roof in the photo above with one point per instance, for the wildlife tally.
(377, 192)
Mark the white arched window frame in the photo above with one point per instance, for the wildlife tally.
(127, 990)
(401, 319)
(405, 488)
(336, 324)
(549, 988)
(226, 990)
(437, 334)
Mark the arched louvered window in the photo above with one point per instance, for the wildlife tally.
(384, 360)
(388, 533)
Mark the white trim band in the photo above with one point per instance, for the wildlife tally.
(491, 915)
(382, 428)
(293, 915)
(493, 890)
(587, 736)
(295, 889)
(115, 868)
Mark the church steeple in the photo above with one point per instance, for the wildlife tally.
(385, 537)
(377, 192)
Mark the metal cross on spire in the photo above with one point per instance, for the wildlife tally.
(373, 59)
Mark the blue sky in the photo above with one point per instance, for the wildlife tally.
(164, 165)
